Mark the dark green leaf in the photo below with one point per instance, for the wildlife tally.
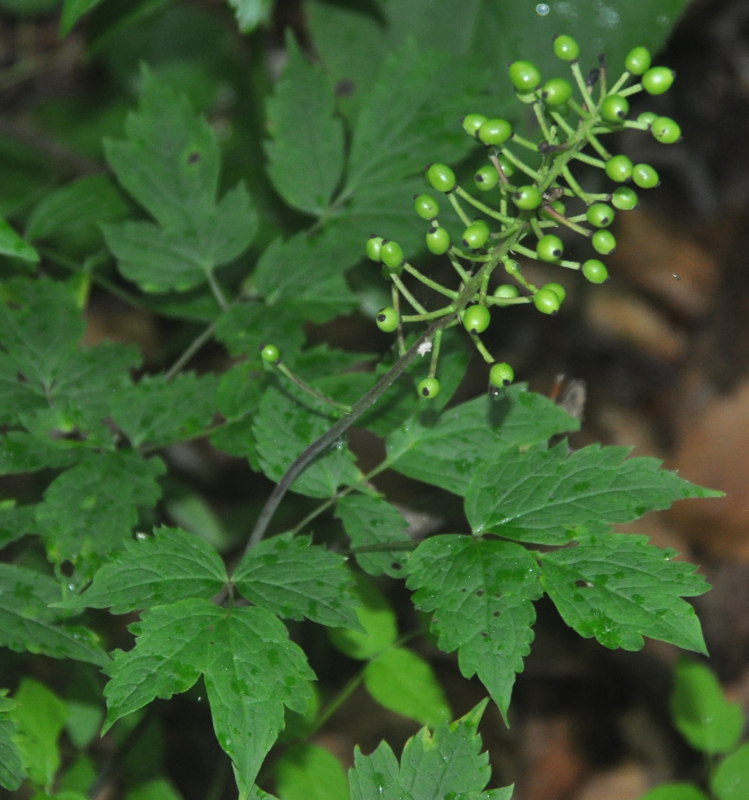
(295, 579)
(618, 588)
(13, 245)
(544, 496)
(730, 779)
(310, 772)
(481, 593)
(72, 10)
(12, 771)
(153, 570)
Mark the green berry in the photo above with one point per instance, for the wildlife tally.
(644, 176)
(600, 215)
(614, 108)
(374, 244)
(524, 75)
(546, 301)
(647, 117)
(637, 60)
(556, 92)
(426, 206)
(658, 80)
(549, 248)
(595, 271)
(501, 374)
(619, 168)
(506, 291)
(558, 290)
(476, 234)
(437, 240)
(526, 198)
(566, 48)
(476, 319)
(624, 198)
(603, 242)
(494, 131)
(508, 168)
(270, 354)
(387, 319)
(557, 205)
(665, 130)
(472, 123)
(440, 177)
(486, 178)
(391, 254)
(429, 387)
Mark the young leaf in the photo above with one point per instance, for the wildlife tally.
(13, 245)
(28, 623)
(731, 777)
(284, 425)
(445, 452)
(170, 165)
(544, 495)
(481, 592)
(39, 716)
(618, 588)
(371, 521)
(89, 510)
(154, 570)
(700, 711)
(404, 682)
(250, 668)
(12, 771)
(306, 148)
(309, 772)
(293, 578)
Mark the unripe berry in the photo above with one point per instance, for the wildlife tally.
(476, 319)
(549, 248)
(603, 242)
(625, 198)
(472, 123)
(665, 130)
(637, 60)
(437, 240)
(494, 131)
(391, 254)
(595, 271)
(556, 92)
(501, 374)
(645, 176)
(426, 206)
(387, 319)
(524, 75)
(546, 301)
(476, 234)
(486, 178)
(527, 198)
(619, 168)
(658, 80)
(440, 177)
(429, 387)
(374, 244)
(614, 108)
(566, 48)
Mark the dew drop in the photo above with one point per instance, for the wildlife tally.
(542, 9)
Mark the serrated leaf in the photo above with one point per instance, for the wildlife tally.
(154, 570)
(246, 327)
(369, 521)
(90, 510)
(40, 717)
(310, 772)
(12, 771)
(701, 712)
(731, 778)
(618, 588)
(293, 578)
(445, 450)
(305, 163)
(284, 426)
(14, 245)
(481, 593)
(251, 13)
(78, 204)
(28, 623)
(402, 681)
(544, 495)
(170, 165)
(446, 763)
(250, 668)
(160, 411)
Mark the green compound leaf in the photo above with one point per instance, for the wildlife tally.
(309, 772)
(306, 149)
(12, 771)
(446, 763)
(153, 570)
(543, 496)
(701, 712)
(295, 579)
(731, 778)
(618, 588)
(13, 245)
(39, 716)
(159, 411)
(404, 682)
(481, 593)
(371, 521)
(90, 510)
(250, 668)
(284, 426)
(170, 165)
(446, 451)
(28, 623)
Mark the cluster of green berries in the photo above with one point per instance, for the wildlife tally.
(535, 198)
